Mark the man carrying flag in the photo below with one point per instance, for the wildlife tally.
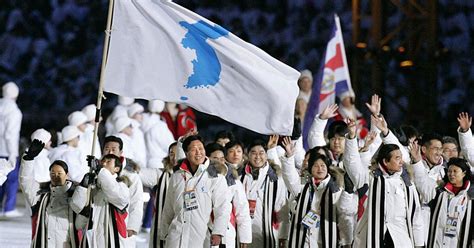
(333, 79)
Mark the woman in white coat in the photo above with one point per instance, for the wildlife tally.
(451, 203)
(52, 216)
(316, 205)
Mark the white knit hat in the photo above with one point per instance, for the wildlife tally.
(42, 135)
(156, 106)
(70, 132)
(122, 122)
(125, 101)
(306, 73)
(77, 118)
(135, 109)
(349, 93)
(10, 90)
(89, 111)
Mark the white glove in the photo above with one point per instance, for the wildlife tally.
(12, 161)
(6, 166)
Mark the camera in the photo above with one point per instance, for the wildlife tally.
(94, 164)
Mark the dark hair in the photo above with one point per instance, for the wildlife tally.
(114, 139)
(314, 156)
(60, 163)
(233, 143)
(190, 139)
(257, 142)
(461, 163)
(325, 149)
(427, 138)
(337, 128)
(450, 140)
(385, 152)
(118, 162)
(212, 147)
(404, 133)
(224, 134)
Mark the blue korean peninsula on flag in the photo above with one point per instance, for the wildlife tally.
(160, 50)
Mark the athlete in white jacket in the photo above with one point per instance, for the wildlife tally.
(318, 204)
(451, 203)
(113, 145)
(52, 216)
(390, 204)
(195, 192)
(110, 199)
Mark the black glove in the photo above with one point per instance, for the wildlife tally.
(94, 163)
(88, 179)
(35, 148)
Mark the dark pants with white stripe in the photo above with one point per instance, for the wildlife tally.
(9, 189)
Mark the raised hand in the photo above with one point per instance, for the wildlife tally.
(375, 105)
(415, 151)
(272, 141)
(465, 121)
(369, 139)
(191, 132)
(35, 148)
(289, 147)
(380, 123)
(352, 127)
(329, 112)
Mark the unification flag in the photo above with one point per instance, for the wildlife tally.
(160, 50)
(333, 79)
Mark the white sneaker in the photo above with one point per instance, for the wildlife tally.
(12, 214)
(146, 229)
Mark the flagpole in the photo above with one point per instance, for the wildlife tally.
(100, 94)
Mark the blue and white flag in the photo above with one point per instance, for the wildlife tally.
(333, 79)
(160, 50)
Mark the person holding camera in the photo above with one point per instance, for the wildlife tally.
(109, 197)
(52, 215)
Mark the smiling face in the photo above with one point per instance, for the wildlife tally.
(456, 175)
(257, 157)
(58, 175)
(319, 171)
(433, 151)
(196, 153)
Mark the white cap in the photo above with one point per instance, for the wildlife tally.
(42, 135)
(349, 93)
(156, 106)
(77, 118)
(70, 132)
(125, 101)
(306, 73)
(135, 109)
(122, 122)
(10, 90)
(89, 111)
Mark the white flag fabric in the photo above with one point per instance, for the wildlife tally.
(160, 50)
